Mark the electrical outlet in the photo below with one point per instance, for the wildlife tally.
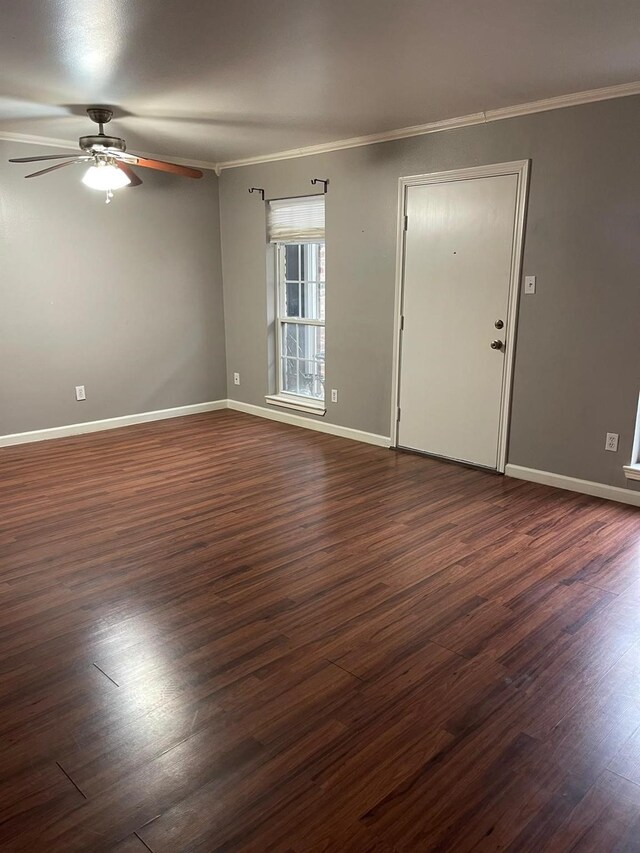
(611, 442)
(80, 394)
(334, 395)
(530, 284)
(236, 378)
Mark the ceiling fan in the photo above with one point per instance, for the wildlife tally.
(110, 163)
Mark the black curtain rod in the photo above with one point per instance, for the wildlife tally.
(314, 181)
(287, 197)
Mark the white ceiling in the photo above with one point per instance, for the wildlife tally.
(216, 81)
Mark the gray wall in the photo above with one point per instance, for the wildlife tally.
(577, 372)
(125, 298)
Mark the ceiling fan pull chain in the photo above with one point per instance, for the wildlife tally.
(109, 196)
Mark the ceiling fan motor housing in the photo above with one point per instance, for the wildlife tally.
(99, 141)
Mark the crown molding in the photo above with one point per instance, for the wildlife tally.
(561, 101)
(47, 141)
(50, 142)
(358, 141)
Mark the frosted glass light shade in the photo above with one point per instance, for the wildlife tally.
(105, 176)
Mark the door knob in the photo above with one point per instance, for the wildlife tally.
(496, 344)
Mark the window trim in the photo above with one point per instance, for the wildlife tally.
(285, 399)
(297, 402)
(632, 470)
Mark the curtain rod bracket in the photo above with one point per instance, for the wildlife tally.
(259, 190)
(325, 183)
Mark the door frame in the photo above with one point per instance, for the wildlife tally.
(520, 168)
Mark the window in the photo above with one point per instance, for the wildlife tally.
(296, 227)
(301, 337)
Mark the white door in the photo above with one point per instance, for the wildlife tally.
(459, 250)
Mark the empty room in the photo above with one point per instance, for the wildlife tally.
(319, 426)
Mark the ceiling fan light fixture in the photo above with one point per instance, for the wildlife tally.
(105, 177)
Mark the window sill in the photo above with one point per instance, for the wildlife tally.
(298, 404)
(632, 472)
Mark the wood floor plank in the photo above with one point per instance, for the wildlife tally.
(132, 844)
(224, 633)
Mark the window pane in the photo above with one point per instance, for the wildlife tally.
(311, 378)
(291, 262)
(292, 299)
(290, 375)
(306, 380)
(312, 307)
(290, 340)
(319, 343)
(318, 384)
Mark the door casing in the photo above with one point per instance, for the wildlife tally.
(520, 168)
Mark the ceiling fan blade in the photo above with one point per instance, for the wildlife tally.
(36, 159)
(163, 166)
(57, 166)
(135, 180)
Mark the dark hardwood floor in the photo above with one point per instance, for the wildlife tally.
(220, 633)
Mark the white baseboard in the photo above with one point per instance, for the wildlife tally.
(109, 423)
(307, 423)
(560, 481)
(180, 411)
(573, 484)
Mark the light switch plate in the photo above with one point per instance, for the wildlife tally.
(529, 284)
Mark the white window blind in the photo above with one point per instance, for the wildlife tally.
(296, 220)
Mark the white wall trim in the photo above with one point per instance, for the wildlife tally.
(635, 452)
(573, 484)
(357, 141)
(520, 168)
(561, 101)
(297, 405)
(180, 411)
(307, 423)
(46, 141)
(109, 423)
(574, 99)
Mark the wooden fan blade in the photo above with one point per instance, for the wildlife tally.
(163, 166)
(135, 180)
(37, 159)
(57, 166)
